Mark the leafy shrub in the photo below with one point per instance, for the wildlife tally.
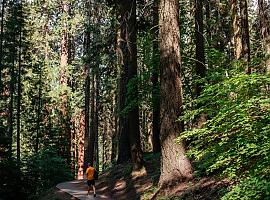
(235, 140)
(44, 170)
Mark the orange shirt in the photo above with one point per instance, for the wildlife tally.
(90, 173)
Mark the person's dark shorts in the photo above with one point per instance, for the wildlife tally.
(90, 182)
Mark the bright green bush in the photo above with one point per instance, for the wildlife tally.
(235, 140)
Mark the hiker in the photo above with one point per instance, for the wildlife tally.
(90, 171)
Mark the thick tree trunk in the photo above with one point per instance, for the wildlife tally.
(174, 165)
(81, 140)
(66, 152)
(87, 114)
(238, 46)
(265, 29)
(130, 39)
(155, 82)
(124, 153)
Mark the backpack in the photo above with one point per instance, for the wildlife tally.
(96, 175)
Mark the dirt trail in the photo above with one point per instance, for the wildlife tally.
(78, 189)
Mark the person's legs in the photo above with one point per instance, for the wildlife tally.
(94, 190)
(88, 184)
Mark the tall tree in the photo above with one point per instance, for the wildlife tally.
(155, 81)
(265, 29)
(238, 46)
(130, 39)
(124, 153)
(174, 164)
(200, 68)
(245, 33)
(64, 61)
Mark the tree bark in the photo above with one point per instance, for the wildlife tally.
(238, 46)
(245, 33)
(66, 132)
(81, 141)
(130, 39)
(124, 153)
(265, 30)
(155, 82)
(200, 68)
(174, 163)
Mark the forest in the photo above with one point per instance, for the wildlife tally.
(172, 92)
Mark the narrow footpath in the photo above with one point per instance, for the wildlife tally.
(78, 189)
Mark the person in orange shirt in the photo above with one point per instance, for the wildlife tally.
(90, 179)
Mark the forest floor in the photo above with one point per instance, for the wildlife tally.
(121, 183)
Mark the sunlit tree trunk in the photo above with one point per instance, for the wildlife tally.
(175, 165)
(81, 141)
(238, 46)
(265, 29)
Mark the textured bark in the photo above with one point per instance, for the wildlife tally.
(200, 68)
(130, 39)
(245, 33)
(81, 139)
(124, 153)
(65, 118)
(174, 163)
(265, 29)
(155, 82)
(87, 91)
(238, 46)
(87, 114)
(92, 139)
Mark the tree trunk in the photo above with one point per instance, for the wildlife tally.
(66, 135)
(96, 119)
(81, 140)
(174, 163)
(200, 68)
(155, 82)
(265, 30)
(124, 153)
(92, 122)
(238, 46)
(245, 33)
(129, 36)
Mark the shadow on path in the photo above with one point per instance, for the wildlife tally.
(78, 189)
